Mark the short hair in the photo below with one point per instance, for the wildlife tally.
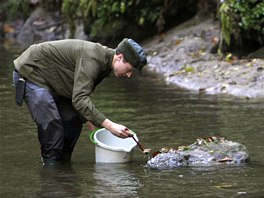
(117, 51)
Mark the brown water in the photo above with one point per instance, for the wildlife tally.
(161, 115)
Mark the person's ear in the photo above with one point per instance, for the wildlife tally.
(120, 56)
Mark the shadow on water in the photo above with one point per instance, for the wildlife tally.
(162, 116)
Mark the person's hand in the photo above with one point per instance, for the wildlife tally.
(116, 129)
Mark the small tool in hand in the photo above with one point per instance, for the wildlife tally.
(145, 151)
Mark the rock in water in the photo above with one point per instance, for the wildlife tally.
(205, 151)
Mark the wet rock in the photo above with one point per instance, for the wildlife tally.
(205, 151)
(257, 54)
(39, 27)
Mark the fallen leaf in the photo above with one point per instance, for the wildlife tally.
(225, 159)
(229, 57)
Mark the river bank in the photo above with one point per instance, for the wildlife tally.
(183, 57)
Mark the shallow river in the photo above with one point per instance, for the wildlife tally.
(162, 116)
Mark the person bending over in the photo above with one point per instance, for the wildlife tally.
(58, 78)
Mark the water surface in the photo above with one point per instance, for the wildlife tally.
(162, 116)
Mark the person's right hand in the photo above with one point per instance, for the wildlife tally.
(116, 129)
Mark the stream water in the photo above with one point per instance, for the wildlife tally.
(162, 116)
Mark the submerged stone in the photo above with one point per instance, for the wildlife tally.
(205, 151)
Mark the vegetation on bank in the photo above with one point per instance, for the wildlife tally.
(242, 24)
(242, 21)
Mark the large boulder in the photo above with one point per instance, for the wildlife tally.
(205, 151)
(41, 26)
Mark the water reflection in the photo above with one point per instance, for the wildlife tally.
(58, 181)
(115, 180)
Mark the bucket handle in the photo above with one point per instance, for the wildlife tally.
(92, 135)
(96, 129)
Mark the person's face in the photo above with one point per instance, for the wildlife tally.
(122, 68)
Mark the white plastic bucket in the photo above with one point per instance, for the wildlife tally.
(111, 149)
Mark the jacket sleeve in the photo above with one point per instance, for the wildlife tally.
(86, 72)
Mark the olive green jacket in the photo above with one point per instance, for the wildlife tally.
(69, 68)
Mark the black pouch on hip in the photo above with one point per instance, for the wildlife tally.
(20, 91)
